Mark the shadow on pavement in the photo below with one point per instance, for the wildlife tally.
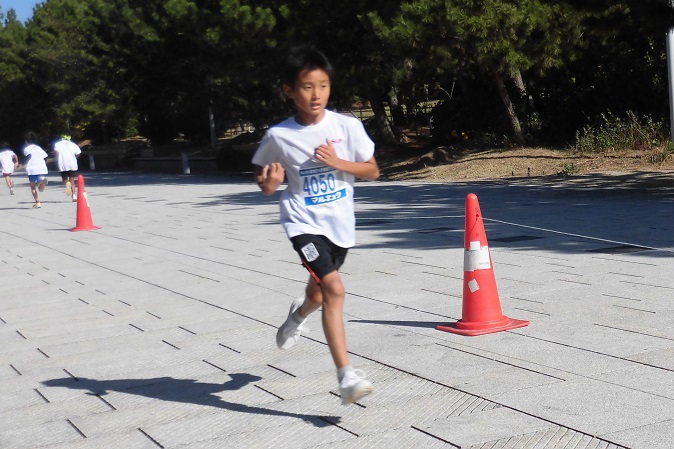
(610, 213)
(185, 390)
(419, 324)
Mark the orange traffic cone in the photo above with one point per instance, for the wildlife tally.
(481, 305)
(84, 222)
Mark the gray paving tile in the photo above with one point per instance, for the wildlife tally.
(131, 439)
(58, 432)
(133, 334)
(657, 435)
(485, 426)
(592, 406)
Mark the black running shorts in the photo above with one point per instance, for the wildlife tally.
(68, 174)
(319, 255)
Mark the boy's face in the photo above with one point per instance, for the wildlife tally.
(310, 94)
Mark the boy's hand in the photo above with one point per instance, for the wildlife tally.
(326, 154)
(270, 177)
(365, 170)
(273, 172)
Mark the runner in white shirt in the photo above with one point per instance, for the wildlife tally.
(36, 167)
(322, 153)
(8, 161)
(66, 153)
(319, 198)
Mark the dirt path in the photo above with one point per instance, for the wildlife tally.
(448, 164)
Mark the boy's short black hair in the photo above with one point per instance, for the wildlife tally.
(304, 58)
(31, 137)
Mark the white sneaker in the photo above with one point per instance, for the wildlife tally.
(354, 387)
(43, 184)
(290, 331)
(69, 189)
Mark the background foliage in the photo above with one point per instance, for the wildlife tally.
(520, 71)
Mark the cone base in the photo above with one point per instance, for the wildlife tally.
(484, 328)
(91, 228)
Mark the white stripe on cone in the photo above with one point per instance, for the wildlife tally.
(476, 258)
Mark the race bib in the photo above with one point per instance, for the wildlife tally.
(310, 252)
(322, 185)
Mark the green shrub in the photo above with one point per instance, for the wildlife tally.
(568, 170)
(662, 153)
(613, 133)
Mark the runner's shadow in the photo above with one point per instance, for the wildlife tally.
(187, 391)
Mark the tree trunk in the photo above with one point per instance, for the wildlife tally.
(382, 122)
(397, 111)
(510, 110)
(519, 83)
(524, 95)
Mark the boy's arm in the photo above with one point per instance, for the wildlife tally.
(368, 170)
(269, 177)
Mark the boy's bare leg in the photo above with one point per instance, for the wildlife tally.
(33, 190)
(73, 186)
(314, 298)
(332, 291)
(8, 180)
(330, 295)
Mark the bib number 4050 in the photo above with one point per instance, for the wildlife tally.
(313, 185)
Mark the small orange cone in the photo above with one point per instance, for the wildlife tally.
(84, 222)
(481, 305)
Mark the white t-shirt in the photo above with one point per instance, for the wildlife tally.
(318, 199)
(7, 161)
(66, 155)
(36, 164)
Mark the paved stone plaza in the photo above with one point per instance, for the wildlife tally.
(158, 330)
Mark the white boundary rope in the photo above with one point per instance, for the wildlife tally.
(570, 234)
(579, 235)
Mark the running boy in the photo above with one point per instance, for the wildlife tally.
(66, 153)
(321, 152)
(36, 167)
(8, 162)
